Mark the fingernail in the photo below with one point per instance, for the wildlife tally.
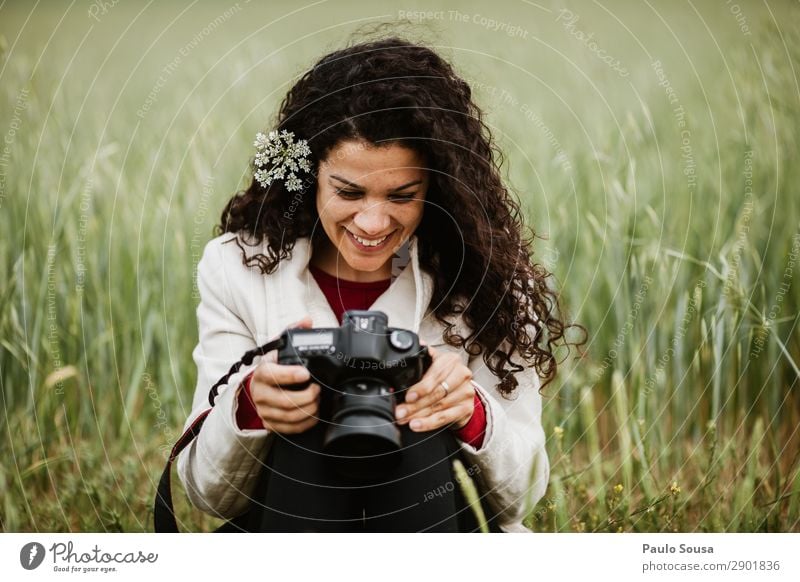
(412, 396)
(301, 375)
(401, 412)
(415, 424)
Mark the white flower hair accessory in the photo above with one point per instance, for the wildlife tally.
(278, 156)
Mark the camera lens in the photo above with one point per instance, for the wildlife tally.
(363, 439)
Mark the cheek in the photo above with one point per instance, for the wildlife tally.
(411, 216)
(331, 209)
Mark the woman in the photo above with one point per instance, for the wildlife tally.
(379, 190)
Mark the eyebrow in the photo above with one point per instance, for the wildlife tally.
(354, 185)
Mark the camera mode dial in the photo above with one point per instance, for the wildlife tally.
(401, 340)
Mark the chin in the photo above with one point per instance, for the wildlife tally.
(369, 265)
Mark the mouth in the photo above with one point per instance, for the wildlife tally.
(370, 245)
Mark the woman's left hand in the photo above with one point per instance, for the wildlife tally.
(443, 396)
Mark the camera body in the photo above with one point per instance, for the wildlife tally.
(364, 368)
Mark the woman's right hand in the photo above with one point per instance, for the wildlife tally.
(282, 410)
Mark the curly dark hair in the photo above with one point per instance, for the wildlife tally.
(479, 255)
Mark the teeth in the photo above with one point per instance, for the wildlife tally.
(369, 243)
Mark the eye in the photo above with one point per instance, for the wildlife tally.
(349, 194)
(405, 198)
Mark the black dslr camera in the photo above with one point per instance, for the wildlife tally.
(364, 368)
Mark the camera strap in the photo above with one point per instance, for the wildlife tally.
(163, 512)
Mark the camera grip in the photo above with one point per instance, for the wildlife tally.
(300, 386)
(294, 361)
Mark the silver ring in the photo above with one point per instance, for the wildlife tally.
(446, 387)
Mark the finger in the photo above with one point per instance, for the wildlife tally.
(455, 374)
(305, 323)
(274, 374)
(445, 417)
(437, 372)
(282, 399)
(421, 413)
(289, 428)
(462, 393)
(432, 352)
(404, 413)
(454, 382)
(293, 416)
(276, 415)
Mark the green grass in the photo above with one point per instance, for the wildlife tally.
(681, 416)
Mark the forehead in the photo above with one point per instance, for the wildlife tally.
(362, 160)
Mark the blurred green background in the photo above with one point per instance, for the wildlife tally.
(653, 145)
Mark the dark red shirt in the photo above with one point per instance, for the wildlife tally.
(343, 295)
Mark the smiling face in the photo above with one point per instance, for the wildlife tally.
(370, 201)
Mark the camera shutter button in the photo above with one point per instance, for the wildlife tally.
(401, 340)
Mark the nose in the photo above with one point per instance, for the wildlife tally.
(373, 220)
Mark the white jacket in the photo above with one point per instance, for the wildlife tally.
(240, 308)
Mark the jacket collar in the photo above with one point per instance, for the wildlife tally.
(405, 302)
